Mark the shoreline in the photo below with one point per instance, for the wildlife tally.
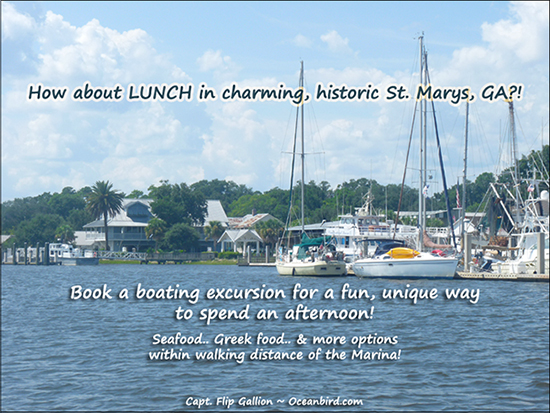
(137, 262)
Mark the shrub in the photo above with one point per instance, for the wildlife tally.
(228, 255)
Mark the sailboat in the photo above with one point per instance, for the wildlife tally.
(528, 220)
(403, 262)
(312, 256)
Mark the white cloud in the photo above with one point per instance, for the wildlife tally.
(223, 69)
(100, 55)
(14, 24)
(525, 35)
(515, 50)
(511, 48)
(148, 129)
(302, 41)
(351, 76)
(236, 136)
(336, 43)
(44, 143)
(48, 145)
(213, 60)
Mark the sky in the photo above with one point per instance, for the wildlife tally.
(49, 144)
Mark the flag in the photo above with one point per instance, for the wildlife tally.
(425, 191)
(531, 188)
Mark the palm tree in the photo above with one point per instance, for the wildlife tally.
(214, 230)
(104, 201)
(156, 229)
(65, 233)
(270, 231)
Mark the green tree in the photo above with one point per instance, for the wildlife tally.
(136, 194)
(224, 191)
(40, 229)
(214, 230)
(475, 191)
(14, 212)
(177, 204)
(104, 201)
(270, 231)
(274, 202)
(78, 218)
(156, 229)
(65, 233)
(181, 237)
(66, 202)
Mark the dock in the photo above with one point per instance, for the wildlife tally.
(256, 261)
(258, 264)
(501, 277)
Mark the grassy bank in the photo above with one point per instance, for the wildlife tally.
(209, 262)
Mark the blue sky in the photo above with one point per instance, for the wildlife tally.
(47, 145)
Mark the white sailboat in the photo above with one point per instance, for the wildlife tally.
(406, 262)
(313, 256)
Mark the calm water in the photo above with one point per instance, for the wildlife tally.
(62, 354)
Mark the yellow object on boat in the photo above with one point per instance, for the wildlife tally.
(402, 252)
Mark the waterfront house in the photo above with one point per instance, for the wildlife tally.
(238, 240)
(126, 229)
(240, 234)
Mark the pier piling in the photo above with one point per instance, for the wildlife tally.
(540, 253)
(467, 252)
(47, 253)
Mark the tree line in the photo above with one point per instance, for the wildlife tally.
(180, 209)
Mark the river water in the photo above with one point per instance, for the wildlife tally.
(486, 349)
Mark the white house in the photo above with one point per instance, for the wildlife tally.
(126, 229)
(240, 233)
(238, 240)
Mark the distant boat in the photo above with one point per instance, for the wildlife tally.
(313, 256)
(535, 221)
(65, 254)
(403, 262)
(358, 235)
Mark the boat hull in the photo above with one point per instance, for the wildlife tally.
(79, 261)
(316, 269)
(406, 268)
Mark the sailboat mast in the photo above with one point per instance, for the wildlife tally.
(303, 148)
(464, 170)
(514, 156)
(421, 223)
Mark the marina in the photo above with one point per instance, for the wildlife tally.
(275, 207)
(457, 353)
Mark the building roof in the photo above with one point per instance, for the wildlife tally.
(215, 212)
(134, 213)
(239, 235)
(249, 220)
(137, 213)
(315, 227)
